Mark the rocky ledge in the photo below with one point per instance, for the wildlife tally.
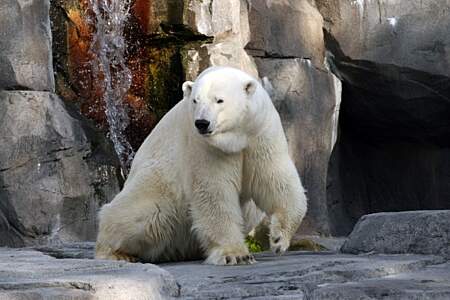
(31, 274)
(376, 266)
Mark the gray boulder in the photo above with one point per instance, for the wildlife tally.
(422, 232)
(25, 45)
(55, 171)
(28, 274)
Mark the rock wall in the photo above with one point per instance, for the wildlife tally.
(56, 170)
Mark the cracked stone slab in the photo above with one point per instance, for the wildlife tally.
(303, 275)
(29, 274)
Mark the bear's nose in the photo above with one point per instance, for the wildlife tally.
(202, 125)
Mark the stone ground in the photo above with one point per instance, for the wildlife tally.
(30, 274)
(303, 275)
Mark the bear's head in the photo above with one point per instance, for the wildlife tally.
(223, 105)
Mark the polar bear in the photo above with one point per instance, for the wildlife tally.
(219, 149)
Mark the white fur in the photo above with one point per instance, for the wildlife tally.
(186, 192)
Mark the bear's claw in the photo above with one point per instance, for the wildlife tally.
(247, 259)
(240, 260)
(226, 257)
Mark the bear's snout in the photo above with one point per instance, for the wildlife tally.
(202, 126)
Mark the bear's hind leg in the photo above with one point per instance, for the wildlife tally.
(137, 229)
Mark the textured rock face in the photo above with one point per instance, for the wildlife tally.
(25, 45)
(28, 274)
(421, 232)
(406, 33)
(226, 23)
(55, 172)
(273, 24)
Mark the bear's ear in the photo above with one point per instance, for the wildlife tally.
(187, 88)
(250, 87)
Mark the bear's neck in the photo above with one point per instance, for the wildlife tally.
(269, 134)
(265, 116)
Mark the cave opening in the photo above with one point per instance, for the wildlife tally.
(393, 146)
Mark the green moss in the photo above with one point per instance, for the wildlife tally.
(253, 245)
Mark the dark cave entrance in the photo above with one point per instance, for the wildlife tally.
(393, 147)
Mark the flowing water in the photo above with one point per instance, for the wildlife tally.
(108, 64)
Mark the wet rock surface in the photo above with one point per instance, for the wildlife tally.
(55, 171)
(421, 232)
(296, 275)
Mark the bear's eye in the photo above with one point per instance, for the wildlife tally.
(219, 101)
(195, 101)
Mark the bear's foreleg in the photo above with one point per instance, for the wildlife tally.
(283, 199)
(218, 224)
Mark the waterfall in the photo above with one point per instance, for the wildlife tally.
(109, 69)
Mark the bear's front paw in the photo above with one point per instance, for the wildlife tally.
(279, 243)
(278, 237)
(230, 255)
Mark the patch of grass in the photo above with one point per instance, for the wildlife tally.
(253, 245)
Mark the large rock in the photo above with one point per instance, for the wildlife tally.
(423, 232)
(307, 99)
(25, 45)
(28, 274)
(406, 33)
(290, 28)
(55, 172)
